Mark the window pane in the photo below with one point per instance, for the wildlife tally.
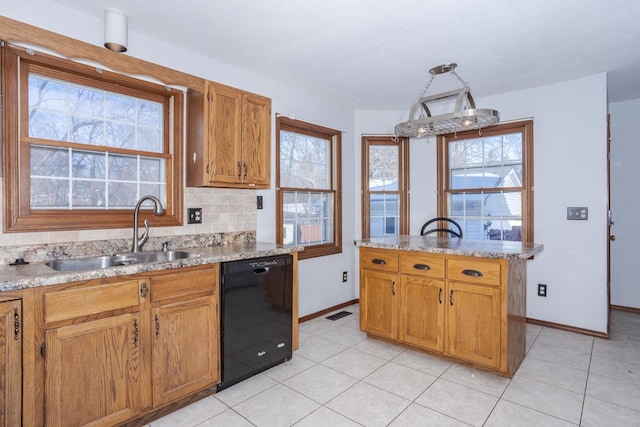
(123, 168)
(495, 216)
(152, 170)
(304, 161)
(384, 214)
(49, 162)
(87, 194)
(383, 167)
(49, 193)
(308, 218)
(123, 194)
(88, 164)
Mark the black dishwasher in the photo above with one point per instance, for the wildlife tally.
(256, 319)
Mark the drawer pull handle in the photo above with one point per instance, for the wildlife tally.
(393, 288)
(136, 332)
(474, 273)
(440, 296)
(451, 297)
(421, 267)
(378, 261)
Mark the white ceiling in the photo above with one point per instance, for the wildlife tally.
(377, 53)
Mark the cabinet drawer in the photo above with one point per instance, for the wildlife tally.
(470, 270)
(379, 259)
(180, 284)
(421, 264)
(85, 301)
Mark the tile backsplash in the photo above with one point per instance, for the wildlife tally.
(223, 211)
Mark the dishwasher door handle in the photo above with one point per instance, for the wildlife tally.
(263, 270)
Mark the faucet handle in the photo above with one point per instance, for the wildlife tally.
(143, 239)
(165, 246)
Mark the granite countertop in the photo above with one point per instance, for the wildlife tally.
(452, 246)
(39, 274)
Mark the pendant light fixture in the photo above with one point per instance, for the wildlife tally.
(465, 116)
(115, 30)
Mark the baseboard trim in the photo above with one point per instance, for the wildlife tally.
(327, 310)
(567, 328)
(627, 309)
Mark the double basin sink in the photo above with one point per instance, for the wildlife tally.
(98, 262)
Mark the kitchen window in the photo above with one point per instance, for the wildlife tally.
(485, 181)
(385, 186)
(308, 185)
(82, 145)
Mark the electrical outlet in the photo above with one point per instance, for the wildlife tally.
(344, 276)
(542, 290)
(194, 216)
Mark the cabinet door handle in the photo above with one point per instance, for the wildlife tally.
(16, 324)
(246, 170)
(136, 332)
(239, 170)
(393, 287)
(157, 326)
(440, 296)
(421, 267)
(474, 273)
(451, 297)
(378, 261)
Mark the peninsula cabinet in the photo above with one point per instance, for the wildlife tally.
(10, 363)
(467, 308)
(116, 350)
(228, 138)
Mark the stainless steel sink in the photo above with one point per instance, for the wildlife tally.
(98, 262)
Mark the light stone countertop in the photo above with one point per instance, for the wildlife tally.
(39, 274)
(454, 246)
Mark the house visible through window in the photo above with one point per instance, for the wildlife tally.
(88, 142)
(385, 186)
(308, 187)
(486, 181)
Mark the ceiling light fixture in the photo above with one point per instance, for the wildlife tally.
(115, 30)
(464, 117)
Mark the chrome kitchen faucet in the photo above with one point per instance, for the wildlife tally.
(157, 210)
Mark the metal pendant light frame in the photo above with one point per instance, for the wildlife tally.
(464, 117)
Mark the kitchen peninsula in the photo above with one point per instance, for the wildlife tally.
(459, 298)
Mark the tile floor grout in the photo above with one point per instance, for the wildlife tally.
(457, 395)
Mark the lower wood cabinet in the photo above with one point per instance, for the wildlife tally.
(468, 308)
(10, 363)
(117, 350)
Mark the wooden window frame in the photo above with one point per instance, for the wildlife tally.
(403, 180)
(311, 251)
(525, 127)
(18, 215)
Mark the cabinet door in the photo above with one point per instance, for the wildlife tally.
(256, 140)
(378, 307)
(474, 323)
(93, 373)
(10, 363)
(422, 312)
(185, 348)
(225, 109)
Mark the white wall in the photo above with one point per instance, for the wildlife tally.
(320, 279)
(570, 170)
(625, 152)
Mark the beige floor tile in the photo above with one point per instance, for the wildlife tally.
(545, 398)
(417, 415)
(560, 355)
(566, 339)
(344, 335)
(320, 383)
(244, 390)
(368, 405)
(553, 374)
(288, 369)
(457, 401)
(379, 348)
(614, 391)
(228, 418)
(193, 414)
(354, 363)
(507, 414)
(624, 350)
(615, 369)
(324, 417)
(422, 362)
(400, 380)
(597, 413)
(317, 326)
(277, 407)
(476, 379)
(318, 349)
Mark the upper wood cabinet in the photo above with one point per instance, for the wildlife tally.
(10, 363)
(228, 138)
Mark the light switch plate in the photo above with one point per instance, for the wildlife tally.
(578, 213)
